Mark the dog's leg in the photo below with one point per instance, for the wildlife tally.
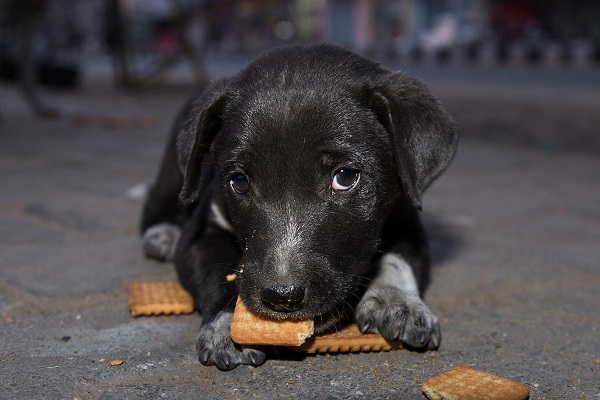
(162, 216)
(392, 303)
(203, 261)
(393, 307)
(160, 241)
(215, 347)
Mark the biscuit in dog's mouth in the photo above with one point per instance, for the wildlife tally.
(248, 328)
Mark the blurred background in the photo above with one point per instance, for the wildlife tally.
(476, 31)
(525, 55)
(135, 32)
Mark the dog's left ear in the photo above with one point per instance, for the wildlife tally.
(423, 135)
(194, 140)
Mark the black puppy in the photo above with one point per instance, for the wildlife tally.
(303, 174)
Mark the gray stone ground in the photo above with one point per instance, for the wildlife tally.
(515, 234)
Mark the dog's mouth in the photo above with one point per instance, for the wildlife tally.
(328, 301)
(326, 319)
(325, 322)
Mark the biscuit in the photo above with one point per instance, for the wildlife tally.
(470, 384)
(159, 298)
(348, 339)
(247, 328)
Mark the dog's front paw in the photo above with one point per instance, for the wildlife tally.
(215, 346)
(160, 241)
(399, 315)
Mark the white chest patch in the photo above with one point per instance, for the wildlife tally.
(219, 218)
(395, 271)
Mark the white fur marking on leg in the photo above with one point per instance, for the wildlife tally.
(222, 321)
(160, 241)
(395, 271)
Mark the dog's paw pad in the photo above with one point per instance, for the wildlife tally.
(160, 241)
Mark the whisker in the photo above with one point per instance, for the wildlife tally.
(370, 286)
(226, 267)
(233, 298)
(222, 266)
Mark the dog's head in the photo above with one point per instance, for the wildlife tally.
(313, 147)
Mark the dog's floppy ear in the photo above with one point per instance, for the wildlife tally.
(195, 138)
(422, 134)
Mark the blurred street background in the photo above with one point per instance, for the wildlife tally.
(525, 65)
(136, 32)
(142, 39)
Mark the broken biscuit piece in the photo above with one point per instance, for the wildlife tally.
(247, 328)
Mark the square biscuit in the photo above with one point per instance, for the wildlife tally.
(348, 339)
(156, 298)
(470, 384)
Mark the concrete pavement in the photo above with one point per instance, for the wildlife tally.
(515, 233)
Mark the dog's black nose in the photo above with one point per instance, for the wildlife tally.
(283, 298)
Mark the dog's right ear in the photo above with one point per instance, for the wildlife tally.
(194, 140)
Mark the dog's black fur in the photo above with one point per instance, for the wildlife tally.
(303, 174)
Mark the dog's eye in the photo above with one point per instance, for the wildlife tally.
(344, 180)
(239, 183)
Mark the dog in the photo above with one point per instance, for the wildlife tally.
(303, 174)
